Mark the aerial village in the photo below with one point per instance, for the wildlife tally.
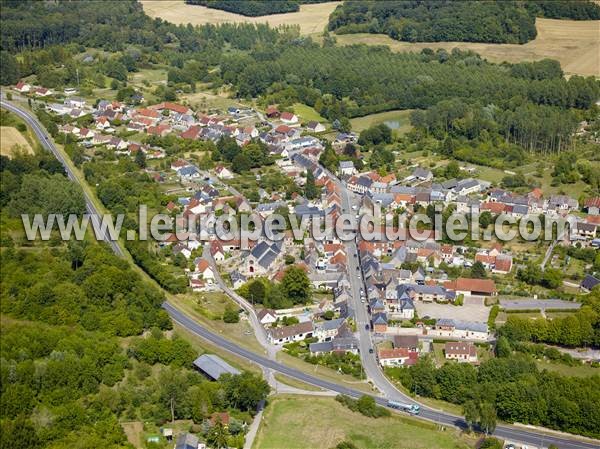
(409, 288)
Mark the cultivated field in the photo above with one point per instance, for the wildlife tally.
(576, 44)
(321, 423)
(9, 138)
(310, 18)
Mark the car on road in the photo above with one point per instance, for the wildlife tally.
(366, 326)
(370, 350)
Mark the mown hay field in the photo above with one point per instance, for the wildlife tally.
(310, 18)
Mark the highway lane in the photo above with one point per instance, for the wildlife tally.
(447, 419)
(47, 144)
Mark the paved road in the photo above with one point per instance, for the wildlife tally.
(48, 144)
(505, 432)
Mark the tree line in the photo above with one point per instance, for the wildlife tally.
(510, 22)
(510, 388)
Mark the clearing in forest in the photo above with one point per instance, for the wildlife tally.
(310, 18)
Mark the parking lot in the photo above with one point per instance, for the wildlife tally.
(472, 310)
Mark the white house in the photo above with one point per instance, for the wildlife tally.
(223, 172)
(288, 334)
(289, 118)
(393, 357)
(347, 168)
(327, 330)
(22, 87)
(266, 317)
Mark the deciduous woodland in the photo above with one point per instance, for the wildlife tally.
(434, 21)
(254, 8)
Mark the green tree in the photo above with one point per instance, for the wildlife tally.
(296, 285)
(10, 69)
(217, 435)
(478, 271)
(231, 316)
(140, 159)
(487, 417)
(471, 412)
(241, 163)
(310, 189)
(244, 391)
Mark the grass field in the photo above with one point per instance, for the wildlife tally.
(298, 422)
(211, 306)
(310, 18)
(398, 120)
(11, 139)
(566, 370)
(307, 114)
(574, 43)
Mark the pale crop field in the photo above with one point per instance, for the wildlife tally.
(575, 44)
(310, 18)
(10, 137)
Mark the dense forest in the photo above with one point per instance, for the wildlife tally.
(433, 20)
(254, 8)
(68, 377)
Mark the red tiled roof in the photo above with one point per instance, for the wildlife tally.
(396, 353)
(472, 285)
(592, 202)
(460, 348)
(495, 208)
(287, 115)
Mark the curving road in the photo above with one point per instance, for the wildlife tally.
(48, 144)
(447, 419)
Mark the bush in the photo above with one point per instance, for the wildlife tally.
(231, 316)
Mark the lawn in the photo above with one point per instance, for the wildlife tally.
(566, 370)
(307, 114)
(574, 44)
(207, 307)
(298, 422)
(311, 18)
(398, 120)
(324, 373)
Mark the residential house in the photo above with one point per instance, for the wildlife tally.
(379, 322)
(289, 118)
(223, 172)
(315, 127)
(592, 206)
(408, 342)
(347, 168)
(327, 330)
(266, 317)
(461, 329)
(188, 173)
(461, 351)
(204, 271)
(589, 282)
(395, 357)
(22, 87)
(237, 279)
(288, 334)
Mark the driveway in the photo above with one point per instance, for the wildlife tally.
(472, 310)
